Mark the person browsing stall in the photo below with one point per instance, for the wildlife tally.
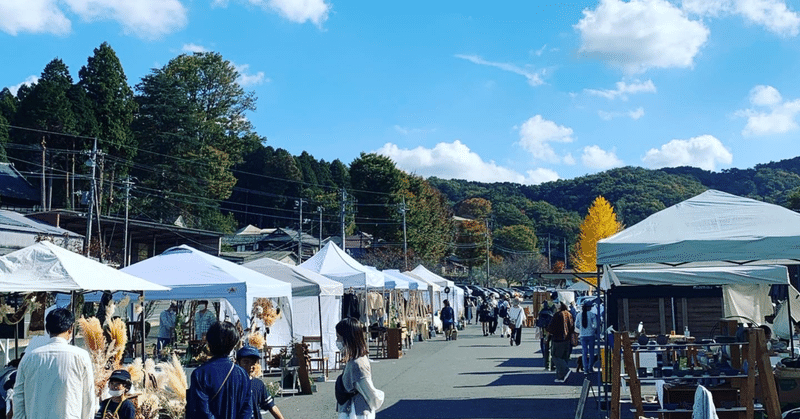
(116, 406)
(356, 396)
(448, 318)
(248, 358)
(203, 319)
(219, 388)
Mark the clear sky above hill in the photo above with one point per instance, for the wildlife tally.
(521, 91)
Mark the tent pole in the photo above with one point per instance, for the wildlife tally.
(144, 353)
(72, 305)
(791, 324)
(672, 311)
(321, 336)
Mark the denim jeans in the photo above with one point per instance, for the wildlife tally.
(587, 347)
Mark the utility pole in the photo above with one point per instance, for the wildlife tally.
(88, 239)
(125, 249)
(344, 197)
(549, 259)
(44, 188)
(405, 240)
(565, 253)
(300, 231)
(320, 208)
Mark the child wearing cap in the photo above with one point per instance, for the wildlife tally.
(247, 358)
(116, 406)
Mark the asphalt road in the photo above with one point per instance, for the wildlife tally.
(472, 377)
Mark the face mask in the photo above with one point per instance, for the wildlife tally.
(201, 307)
(115, 393)
(340, 345)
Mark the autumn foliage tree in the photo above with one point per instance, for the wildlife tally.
(600, 222)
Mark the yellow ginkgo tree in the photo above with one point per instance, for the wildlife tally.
(600, 222)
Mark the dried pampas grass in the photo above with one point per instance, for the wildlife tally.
(119, 338)
(174, 378)
(256, 340)
(263, 308)
(136, 369)
(147, 406)
(256, 372)
(92, 333)
(110, 308)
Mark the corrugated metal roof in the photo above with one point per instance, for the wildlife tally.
(10, 220)
(14, 185)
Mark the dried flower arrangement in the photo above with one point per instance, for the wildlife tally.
(172, 385)
(256, 340)
(263, 309)
(105, 357)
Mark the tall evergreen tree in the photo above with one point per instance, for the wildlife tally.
(376, 183)
(429, 221)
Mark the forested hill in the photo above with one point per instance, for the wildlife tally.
(636, 192)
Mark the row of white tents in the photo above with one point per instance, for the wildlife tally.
(309, 295)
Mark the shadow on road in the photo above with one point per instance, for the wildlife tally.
(483, 408)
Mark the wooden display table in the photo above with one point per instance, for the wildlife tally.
(394, 343)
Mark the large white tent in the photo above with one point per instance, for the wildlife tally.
(396, 277)
(711, 229)
(337, 265)
(46, 267)
(317, 302)
(455, 296)
(193, 275)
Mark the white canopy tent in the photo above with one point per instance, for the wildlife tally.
(395, 282)
(337, 265)
(714, 229)
(45, 267)
(194, 275)
(456, 295)
(317, 302)
(396, 277)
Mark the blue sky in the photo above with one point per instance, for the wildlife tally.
(518, 91)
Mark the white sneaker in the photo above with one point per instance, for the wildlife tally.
(559, 381)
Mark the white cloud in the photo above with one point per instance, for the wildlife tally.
(537, 133)
(148, 19)
(412, 131)
(298, 11)
(634, 114)
(534, 79)
(569, 160)
(772, 14)
(246, 79)
(641, 34)
(456, 161)
(34, 16)
(540, 51)
(28, 81)
(624, 89)
(705, 152)
(770, 113)
(596, 158)
(194, 48)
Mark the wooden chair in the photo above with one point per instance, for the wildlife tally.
(315, 354)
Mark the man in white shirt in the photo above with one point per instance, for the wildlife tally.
(55, 380)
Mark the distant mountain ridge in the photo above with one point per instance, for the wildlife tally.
(634, 192)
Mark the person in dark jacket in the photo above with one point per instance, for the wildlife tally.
(248, 358)
(560, 329)
(220, 388)
(448, 318)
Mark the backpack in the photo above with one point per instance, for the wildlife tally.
(544, 318)
(503, 311)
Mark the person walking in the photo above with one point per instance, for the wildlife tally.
(587, 324)
(470, 307)
(516, 315)
(560, 329)
(247, 358)
(484, 315)
(56, 379)
(356, 395)
(448, 318)
(493, 314)
(543, 319)
(219, 388)
(502, 314)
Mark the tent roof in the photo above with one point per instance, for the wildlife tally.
(713, 228)
(422, 283)
(423, 272)
(727, 275)
(303, 281)
(398, 281)
(335, 264)
(47, 267)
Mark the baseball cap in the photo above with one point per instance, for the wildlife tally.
(121, 375)
(247, 351)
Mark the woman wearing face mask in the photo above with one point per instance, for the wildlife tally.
(356, 396)
(116, 406)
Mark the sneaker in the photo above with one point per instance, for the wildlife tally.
(566, 376)
(559, 380)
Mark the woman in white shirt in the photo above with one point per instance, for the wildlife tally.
(356, 396)
(517, 316)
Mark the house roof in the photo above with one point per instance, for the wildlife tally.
(251, 229)
(244, 257)
(287, 235)
(14, 221)
(14, 185)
